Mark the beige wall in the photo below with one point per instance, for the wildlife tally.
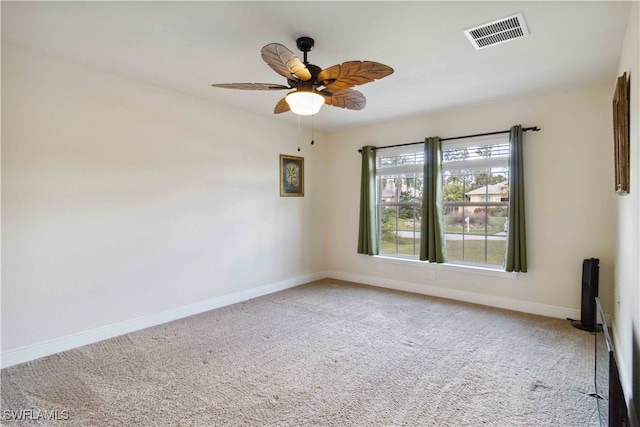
(627, 248)
(569, 173)
(122, 200)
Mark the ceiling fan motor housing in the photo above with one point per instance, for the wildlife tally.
(314, 70)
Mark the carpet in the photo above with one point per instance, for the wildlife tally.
(328, 353)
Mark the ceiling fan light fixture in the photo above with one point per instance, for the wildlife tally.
(305, 102)
(312, 86)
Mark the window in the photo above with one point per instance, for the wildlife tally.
(399, 189)
(475, 191)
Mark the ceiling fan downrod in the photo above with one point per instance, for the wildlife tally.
(305, 44)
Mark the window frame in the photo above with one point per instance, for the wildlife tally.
(499, 163)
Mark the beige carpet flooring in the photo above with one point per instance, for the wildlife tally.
(329, 353)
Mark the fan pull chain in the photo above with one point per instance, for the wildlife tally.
(312, 141)
(298, 132)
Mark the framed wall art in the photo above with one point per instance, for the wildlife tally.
(291, 176)
(621, 134)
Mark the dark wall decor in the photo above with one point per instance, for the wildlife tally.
(621, 134)
(291, 176)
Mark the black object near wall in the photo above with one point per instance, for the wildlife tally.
(588, 309)
(611, 403)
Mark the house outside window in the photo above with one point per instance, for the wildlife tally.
(475, 190)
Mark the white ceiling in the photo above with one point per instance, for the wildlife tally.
(187, 46)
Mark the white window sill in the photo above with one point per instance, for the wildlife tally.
(446, 266)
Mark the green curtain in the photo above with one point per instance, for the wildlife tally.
(367, 233)
(432, 243)
(516, 257)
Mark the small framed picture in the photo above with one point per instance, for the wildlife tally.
(621, 134)
(291, 176)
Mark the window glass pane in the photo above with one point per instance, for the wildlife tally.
(453, 186)
(409, 191)
(408, 243)
(492, 151)
(399, 235)
(474, 250)
(454, 219)
(387, 189)
(454, 227)
(388, 229)
(399, 229)
(487, 252)
(390, 159)
(403, 188)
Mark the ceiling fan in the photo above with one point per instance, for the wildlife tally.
(313, 86)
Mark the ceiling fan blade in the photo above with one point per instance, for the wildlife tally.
(252, 86)
(284, 62)
(281, 107)
(345, 98)
(353, 73)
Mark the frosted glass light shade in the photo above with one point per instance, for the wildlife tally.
(304, 103)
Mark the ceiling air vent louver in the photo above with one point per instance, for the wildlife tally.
(496, 32)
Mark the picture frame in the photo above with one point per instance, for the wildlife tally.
(291, 176)
(621, 134)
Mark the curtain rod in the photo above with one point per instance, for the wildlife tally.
(533, 128)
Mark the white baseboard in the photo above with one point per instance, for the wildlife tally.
(488, 300)
(46, 348)
(35, 351)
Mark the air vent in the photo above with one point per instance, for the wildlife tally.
(496, 32)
